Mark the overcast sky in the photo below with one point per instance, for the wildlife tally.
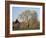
(16, 11)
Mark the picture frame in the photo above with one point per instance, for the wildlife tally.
(7, 18)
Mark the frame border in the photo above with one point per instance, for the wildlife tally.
(7, 18)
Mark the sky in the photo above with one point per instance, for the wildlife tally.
(16, 11)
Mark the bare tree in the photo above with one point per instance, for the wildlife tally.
(25, 16)
(28, 15)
